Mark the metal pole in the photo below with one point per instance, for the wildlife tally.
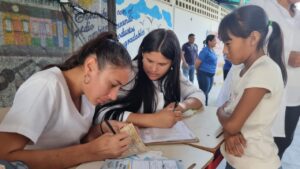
(111, 12)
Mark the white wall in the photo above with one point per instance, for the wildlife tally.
(186, 22)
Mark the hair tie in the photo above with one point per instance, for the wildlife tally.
(270, 31)
(270, 23)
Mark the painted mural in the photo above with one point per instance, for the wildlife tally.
(138, 17)
(35, 34)
(88, 26)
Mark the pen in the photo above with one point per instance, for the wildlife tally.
(219, 134)
(192, 166)
(175, 105)
(110, 127)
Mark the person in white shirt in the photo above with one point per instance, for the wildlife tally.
(254, 41)
(53, 110)
(149, 100)
(288, 17)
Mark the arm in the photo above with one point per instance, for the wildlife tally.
(197, 63)
(183, 60)
(248, 102)
(192, 97)
(107, 146)
(165, 118)
(294, 59)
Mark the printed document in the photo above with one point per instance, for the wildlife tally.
(179, 133)
(141, 164)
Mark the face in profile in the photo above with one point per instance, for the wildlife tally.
(213, 43)
(155, 65)
(236, 49)
(105, 83)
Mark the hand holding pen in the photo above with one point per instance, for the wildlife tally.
(112, 126)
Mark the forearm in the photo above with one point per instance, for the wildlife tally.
(191, 103)
(56, 158)
(224, 119)
(143, 120)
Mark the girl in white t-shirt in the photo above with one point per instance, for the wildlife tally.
(255, 42)
(53, 110)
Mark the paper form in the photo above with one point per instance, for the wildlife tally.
(179, 132)
(140, 164)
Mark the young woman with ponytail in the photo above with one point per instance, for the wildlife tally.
(53, 110)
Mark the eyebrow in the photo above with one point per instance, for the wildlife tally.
(152, 60)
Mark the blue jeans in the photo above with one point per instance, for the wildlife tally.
(189, 72)
(205, 82)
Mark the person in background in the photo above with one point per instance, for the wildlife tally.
(159, 93)
(256, 43)
(53, 110)
(226, 67)
(206, 65)
(285, 13)
(190, 52)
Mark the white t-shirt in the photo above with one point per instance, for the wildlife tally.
(290, 27)
(44, 112)
(261, 151)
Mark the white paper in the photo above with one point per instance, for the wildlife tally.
(176, 133)
(140, 164)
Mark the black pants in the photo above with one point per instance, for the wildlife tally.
(205, 82)
(291, 119)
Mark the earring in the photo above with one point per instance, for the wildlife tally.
(86, 79)
(171, 68)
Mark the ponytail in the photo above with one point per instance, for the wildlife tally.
(107, 49)
(275, 48)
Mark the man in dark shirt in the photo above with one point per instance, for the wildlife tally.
(190, 51)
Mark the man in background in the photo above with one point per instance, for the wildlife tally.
(190, 52)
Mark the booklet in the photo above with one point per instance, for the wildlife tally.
(141, 164)
(136, 146)
(179, 133)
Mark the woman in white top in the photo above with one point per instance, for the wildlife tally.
(149, 99)
(288, 17)
(258, 89)
(52, 111)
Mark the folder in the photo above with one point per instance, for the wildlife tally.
(179, 133)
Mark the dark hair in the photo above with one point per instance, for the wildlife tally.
(190, 35)
(143, 91)
(208, 38)
(244, 20)
(107, 49)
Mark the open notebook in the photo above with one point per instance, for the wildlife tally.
(179, 133)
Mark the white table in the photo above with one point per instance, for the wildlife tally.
(206, 126)
(187, 154)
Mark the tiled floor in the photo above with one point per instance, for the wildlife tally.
(291, 157)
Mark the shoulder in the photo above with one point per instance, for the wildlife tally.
(48, 78)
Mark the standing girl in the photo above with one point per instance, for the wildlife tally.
(255, 100)
(206, 64)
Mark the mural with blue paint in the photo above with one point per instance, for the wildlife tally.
(138, 17)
